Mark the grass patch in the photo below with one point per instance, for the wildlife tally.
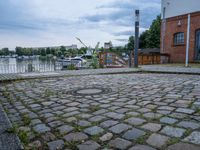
(94, 108)
(13, 129)
(23, 136)
(173, 141)
(78, 128)
(71, 145)
(142, 140)
(26, 119)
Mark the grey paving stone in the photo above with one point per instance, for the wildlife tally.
(119, 143)
(84, 123)
(135, 121)
(157, 140)
(173, 132)
(108, 123)
(101, 111)
(106, 137)
(184, 110)
(71, 119)
(89, 145)
(47, 137)
(152, 115)
(41, 128)
(55, 124)
(94, 130)
(35, 122)
(35, 105)
(56, 145)
(189, 124)
(97, 118)
(119, 128)
(141, 147)
(168, 120)
(65, 129)
(75, 137)
(133, 134)
(35, 144)
(193, 138)
(133, 113)
(114, 115)
(153, 127)
(183, 146)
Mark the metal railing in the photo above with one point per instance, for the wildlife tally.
(24, 68)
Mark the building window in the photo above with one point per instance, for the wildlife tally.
(179, 38)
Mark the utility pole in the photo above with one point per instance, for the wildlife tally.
(137, 17)
(130, 58)
(188, 42)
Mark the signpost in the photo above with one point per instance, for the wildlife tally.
(137, 17)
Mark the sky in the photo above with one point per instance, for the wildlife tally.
(38, 23)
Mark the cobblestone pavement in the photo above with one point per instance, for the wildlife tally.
(170, 69)
(126, 111)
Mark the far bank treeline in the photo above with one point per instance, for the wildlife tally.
(148, 39)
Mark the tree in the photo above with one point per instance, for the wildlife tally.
(48, 51)
(5, 51)
(42, 52)
(19, 51)
(143, 42)
(53, 51)
(154, 33)
(130, 45)
(62, 49)
(149, 38)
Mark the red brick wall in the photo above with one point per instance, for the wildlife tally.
(177, 53)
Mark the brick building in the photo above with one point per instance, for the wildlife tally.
(181, 18)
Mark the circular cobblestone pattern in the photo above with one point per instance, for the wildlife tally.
(89, 91)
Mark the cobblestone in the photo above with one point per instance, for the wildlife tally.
(157, 140)
(119, 128)
(55, 145)
(168, 120)
(75, 137)
(41, 128)
(153, 127)
(119, 143)
(174, 132)
(193, 138)
(133, 134)
(89, 145)
(142, 147)
(93, 130)
(137, 107)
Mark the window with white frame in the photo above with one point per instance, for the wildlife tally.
(179, 38)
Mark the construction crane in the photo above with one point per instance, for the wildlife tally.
(81, 42)
(97, 46)
(89, 48)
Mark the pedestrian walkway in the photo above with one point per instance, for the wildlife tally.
(172, 69)
(120, 111)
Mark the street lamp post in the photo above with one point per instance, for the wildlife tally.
(137, 17)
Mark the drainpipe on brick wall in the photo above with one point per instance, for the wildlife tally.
(188, 42)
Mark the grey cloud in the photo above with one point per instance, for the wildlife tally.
(122, 40)
(124, 15)
(123, 33)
